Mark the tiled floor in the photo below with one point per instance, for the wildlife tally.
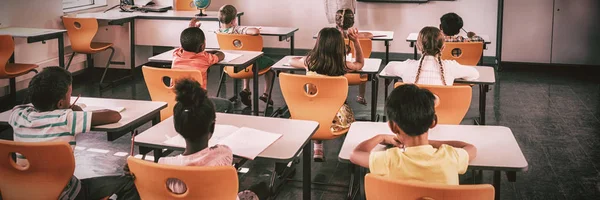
(554, 113)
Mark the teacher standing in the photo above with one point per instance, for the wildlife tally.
(332, 6)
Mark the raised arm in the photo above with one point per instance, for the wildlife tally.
(359, 63)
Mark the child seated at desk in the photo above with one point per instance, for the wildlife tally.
(228, 21)
(328, 58)
(413, 156)
(194, 119)
(344, 19)
(191, 55)
(451, 24)
(52, 118)
(431, 69)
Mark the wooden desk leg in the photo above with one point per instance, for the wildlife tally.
(255, 88)
(61, 51)
(374, 92)
(497, 182)
(482, 101)
(306, 176)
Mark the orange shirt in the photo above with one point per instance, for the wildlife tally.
(194, 61)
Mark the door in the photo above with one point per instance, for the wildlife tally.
(527, 31)
(576, 32)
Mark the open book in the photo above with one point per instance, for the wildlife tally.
(92, 108)
(244, 142)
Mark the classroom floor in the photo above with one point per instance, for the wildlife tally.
(553, 112)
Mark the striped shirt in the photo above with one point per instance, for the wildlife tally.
(30, 125)
(234, 30)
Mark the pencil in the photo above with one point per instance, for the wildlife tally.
(79, 95)
(132, 142)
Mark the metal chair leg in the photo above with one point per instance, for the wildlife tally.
(221, 82)
(107, 65)
(70, 59)
(270, 92)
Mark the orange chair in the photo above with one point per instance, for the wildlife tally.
(154, 78)
(12, 70)
(469, 52)
(454, 102)
(246, 43)
(321, 107)
(380, 188)
(81, 31)
(49, 169)
(367, 47)
(201, 182)
(185, 5)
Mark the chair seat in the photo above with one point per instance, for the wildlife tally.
(356, 79)
(14, 69)
(96, 47)
(245, 73)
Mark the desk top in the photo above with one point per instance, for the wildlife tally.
(413, 38)
(247, 58)
(275, 31)
(487, 76)
(497, 148)
(134, 110)
(371, 66)
(295, 134)
(29, 32)
(169, 15)
(377, 35)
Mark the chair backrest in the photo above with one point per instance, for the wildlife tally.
(240, 42)
(7, 47)
(470, 52)
(454, 102)
(366, 45)
(201, 182)
(185, 5)
(331, 92)
(49, 169)
(380, 188)
(155, 81)
(81, 31)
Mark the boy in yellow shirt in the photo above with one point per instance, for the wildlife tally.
(414, 157)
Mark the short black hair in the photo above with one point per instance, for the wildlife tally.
(411, 108)
(48, 87)
(192, 39)
(193, 114)
(451, 24)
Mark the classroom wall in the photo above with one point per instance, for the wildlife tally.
(402, 18)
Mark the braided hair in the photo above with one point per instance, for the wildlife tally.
(430, 42)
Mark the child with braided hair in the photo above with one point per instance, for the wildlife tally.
(431, 69)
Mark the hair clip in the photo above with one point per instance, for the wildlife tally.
(186, 110)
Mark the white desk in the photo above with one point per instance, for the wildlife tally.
(487, 77)
(385, 36)
(497, 148)
(412, 39)
(370, 68)
(136, 113)
(248, 58)
(296, 135)
(38, 35)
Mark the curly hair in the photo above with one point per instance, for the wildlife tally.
(48, 87)
(193, 114)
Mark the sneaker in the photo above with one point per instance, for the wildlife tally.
(245, 97)
(318, 154)
(361, 100)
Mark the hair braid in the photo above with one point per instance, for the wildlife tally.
(419, 69)
(439, 58)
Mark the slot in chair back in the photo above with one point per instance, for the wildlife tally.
(185, 5)
(470, 52)
(81, 33)
(381, 188)
(154, 78)
(454, 101)
(49, 169)
(331, 92)
(201, 182)
(367, 47)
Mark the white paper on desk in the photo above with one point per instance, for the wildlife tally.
(249, 142)
(95, 108)
(230, 56)
(221, 131)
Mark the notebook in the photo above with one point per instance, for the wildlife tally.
(244, 142)
(92, 108)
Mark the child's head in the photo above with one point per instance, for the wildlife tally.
(410, 110)
(193, 114)
(193, 40)
(451, 24)
(227, 15)
(328, 57)
(430, 41)
(51, 89)
(344, 18)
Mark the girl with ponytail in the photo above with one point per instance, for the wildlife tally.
(431, 69)
(194, 119)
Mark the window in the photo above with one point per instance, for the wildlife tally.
(75, 5)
